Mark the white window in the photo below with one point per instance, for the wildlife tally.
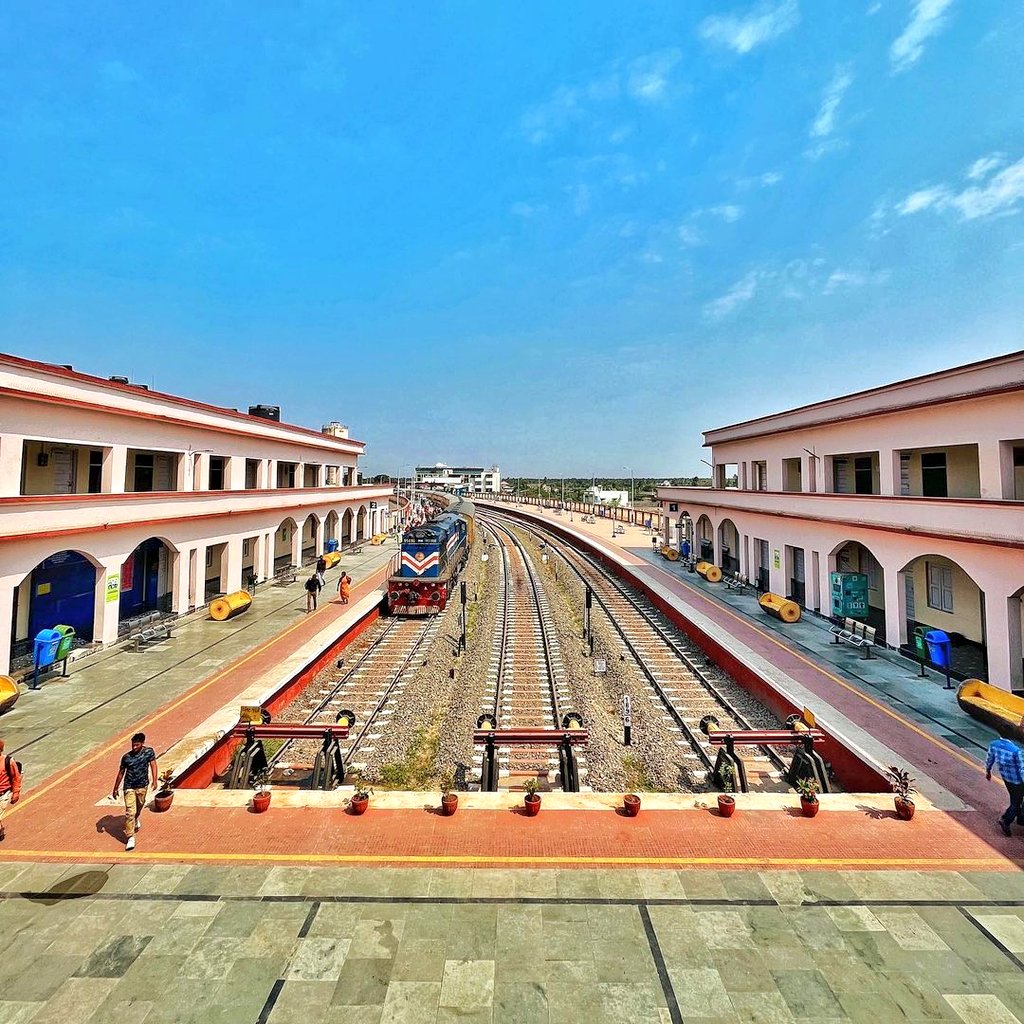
(940, 587)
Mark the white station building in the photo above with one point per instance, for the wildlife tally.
(117, 501)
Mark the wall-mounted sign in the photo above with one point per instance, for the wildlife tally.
(43, 588)
(776, 558)
(113, 587)
(373, 504)
(250, 714)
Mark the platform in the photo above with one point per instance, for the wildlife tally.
(308, 913)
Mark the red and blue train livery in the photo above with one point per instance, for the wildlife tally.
(433, 555)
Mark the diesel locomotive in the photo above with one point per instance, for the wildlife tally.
(433, 555)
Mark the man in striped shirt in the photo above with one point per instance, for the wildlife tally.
(1007, 757)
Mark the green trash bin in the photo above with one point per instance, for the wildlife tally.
(67, 638)
(921, 646)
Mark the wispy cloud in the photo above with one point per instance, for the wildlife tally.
(527, 210)
(741, 33)
(646, 80)
(767, 180)
(825, 123)
(926, 20)
(729, 212)
(995, 194)
(735, 298)
(690, 236)
(840, 278)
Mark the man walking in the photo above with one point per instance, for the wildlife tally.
(313, 586)
(138, 771)
(10, 786)
(1007, 756)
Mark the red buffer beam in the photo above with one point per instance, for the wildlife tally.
(764, 737)
(530, 737)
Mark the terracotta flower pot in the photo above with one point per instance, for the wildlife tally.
(532, 804)
(631, 805)
(449, 803)
(726, 805)
(904, 809)
(261, 801)
(162, 799)
(359, 804)
(809, 807)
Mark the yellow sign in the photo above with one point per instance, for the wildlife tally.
(776, 560)
(250, 714)
(43, 588)
(809, 718)
(113, 587)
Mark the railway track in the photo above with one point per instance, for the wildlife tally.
(526, 675)
(674, 671)
(370, 681)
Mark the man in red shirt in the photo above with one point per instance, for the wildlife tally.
(10, 786)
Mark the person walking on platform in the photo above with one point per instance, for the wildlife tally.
(1006, 756)
(10, 786)
(321, 568)
(137, 771)
(345, 587)
(313, 587)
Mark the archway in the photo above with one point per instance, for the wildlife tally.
(59, 591)
(361, 523)
(309, 528)
(331, 523)
(939, 594)
(729, 546)
(861, 593)
(1015, 621)
(704, 540)
(147, 580)
(285, 543)
(684, 535)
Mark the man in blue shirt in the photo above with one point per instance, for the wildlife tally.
(137, 768)
(1007, 757)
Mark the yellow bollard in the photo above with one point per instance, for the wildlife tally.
(9, 693)
(780, 607)
(230, 605)
(709, 571)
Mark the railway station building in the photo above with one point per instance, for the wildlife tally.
(118, 502)
(459, 479)
(917, 485)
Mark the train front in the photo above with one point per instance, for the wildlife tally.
(418, 588)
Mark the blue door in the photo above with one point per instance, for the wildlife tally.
(139, 579)
(63, 593)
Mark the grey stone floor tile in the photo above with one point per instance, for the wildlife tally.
(411, 1002)
(520, 1003)
(336, 1014)
(807, 994)
(211, 959)
(467, 984)
(419, 960)
(376, 937)
(363, 982)
(537, 882)
(763, 1008)
(318, 959)
(13, 1011)
(981, 1009)
(301, 1002)
(75, 1000)
(700, 992)
(114, 957)
(48, 974)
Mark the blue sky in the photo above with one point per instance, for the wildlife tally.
(565, 238)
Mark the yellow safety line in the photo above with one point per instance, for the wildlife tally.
(367, 858)
(813, 664)
(183, 699)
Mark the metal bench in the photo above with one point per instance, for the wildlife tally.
(150, 629)
(735, 581)
(856, 634)
(285, 575)
(357, 549)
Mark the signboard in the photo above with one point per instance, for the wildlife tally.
(43, 588)
(808, 716)
(373, 504)
(627, 710)
(250, 714)
(849, 594)
(113, 587)
(600, 666)
(776, 559)
(128, 573)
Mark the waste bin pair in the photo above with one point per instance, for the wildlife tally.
(936, 646)
(49, 646)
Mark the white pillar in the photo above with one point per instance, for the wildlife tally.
(297, 545)
(202, 472)
(197, 573)
(318, 537)
(997, 638)
(231, 569)
(270, 477)
(895, 590)
(8, 586)
(888, 472)
(300, 475)
(12, 447)
(107, 605)
(825, 585)
(234, 473)
(115, 469)
(990, 470)
(180, 575)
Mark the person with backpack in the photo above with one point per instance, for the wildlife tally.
(10, 786)
(137, 769)
(313, 586)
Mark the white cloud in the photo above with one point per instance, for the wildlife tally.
(1000, 196)
(735, 298)
(527, 210)
(770, 178)
(825, 123)
(743, 32)
(926, 19)
(650, 257)
(729, 212)
(823, 147)
(690, 236)
(853, 279)
(985, 165)
(648, 77)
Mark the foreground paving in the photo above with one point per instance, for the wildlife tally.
(181, 943)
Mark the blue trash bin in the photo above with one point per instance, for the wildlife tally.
(44, 652)
(938, 647)
(331, 545)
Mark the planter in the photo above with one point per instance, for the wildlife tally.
(449, 803)
(162, 799)
(261, 801)
(631, 805)
(809, 807)
(358, 805)
(532, 804)
(904, 809)
(726, 805)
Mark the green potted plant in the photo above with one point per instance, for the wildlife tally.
(361, 793)
(902, 786)
(726, 801)
(532, 799)
(261, 787)
(631, 805)
(449, 799)
(163, 797)
(808, 788)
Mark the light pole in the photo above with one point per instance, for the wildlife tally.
(629, 470)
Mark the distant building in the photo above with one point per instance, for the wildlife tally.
(459, 479)
(599, 497)
(916, 489)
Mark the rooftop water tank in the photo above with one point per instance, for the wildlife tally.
(266, 412)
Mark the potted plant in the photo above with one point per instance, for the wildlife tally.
(164, 795)
(449, 799)
(261, 787)
(902, 786)
(808, 788)
(726, 801)
(360, 798)
(631, 805)
(532, 798)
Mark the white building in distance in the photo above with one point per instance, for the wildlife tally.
(459, 479)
